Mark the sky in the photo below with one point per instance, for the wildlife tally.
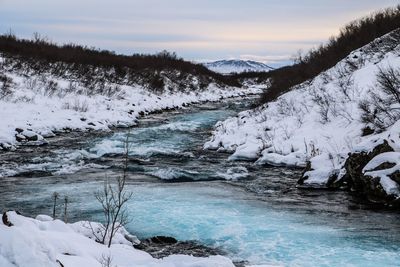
(271, 31)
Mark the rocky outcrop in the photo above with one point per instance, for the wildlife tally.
(373, 174)
(357, 161)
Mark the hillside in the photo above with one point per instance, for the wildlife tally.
(237, 66)
(349, 108)
(352, 36)
(46, 88)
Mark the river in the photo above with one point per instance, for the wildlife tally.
(254, 213)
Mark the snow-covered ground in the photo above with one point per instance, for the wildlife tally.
(44, 242)
(34, 109)
(319, 120)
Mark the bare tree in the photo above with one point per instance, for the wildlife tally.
(113, 198)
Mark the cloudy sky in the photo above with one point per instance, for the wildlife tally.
(266, 30)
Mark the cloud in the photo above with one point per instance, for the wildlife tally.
(267, 30)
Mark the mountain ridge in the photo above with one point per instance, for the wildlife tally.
(227, 66)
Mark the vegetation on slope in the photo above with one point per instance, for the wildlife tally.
(351, 37)
(40, 55)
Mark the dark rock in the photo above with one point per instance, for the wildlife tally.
(163, 240)
(365, 185)
(20, 138)
(303, 176)
(395, 176)
(163, 246)
(32, 138)
(19, 130)
(367, 131)
(5, 220)
(357, 161)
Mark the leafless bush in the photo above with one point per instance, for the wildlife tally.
(324, 101)
(50, 87)
(345, 81)
(5, 86)
(382, 109)
(106, 261)
(113, 199)
(78, 105)
(31, 83)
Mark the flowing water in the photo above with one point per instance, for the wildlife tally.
(254, 213)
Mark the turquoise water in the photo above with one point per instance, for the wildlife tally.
(253, 213)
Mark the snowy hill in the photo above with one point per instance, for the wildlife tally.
(45, 89)
(320, 121)
(237, 66)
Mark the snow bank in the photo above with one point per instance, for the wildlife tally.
(318, 120)
(30, 112)
(42, 242)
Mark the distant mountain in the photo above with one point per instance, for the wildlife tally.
(238, 66)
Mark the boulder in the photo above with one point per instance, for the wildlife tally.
(367, 181)
(356, 162)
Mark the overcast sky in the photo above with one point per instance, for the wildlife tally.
(265, 30)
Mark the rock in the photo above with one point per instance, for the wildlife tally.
(5, 220)
(365, 185)
(357, 161)
(19, 130)
(163, 246)
(7, 147)
(31, 135)
(47, 134)
(20, 138)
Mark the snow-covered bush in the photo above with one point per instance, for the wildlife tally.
(382, 108)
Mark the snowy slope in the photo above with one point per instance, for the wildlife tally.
(43, 242)
(317, 120)
(237, 66)
(37, 106)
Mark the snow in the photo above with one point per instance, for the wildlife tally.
(237, 66)
(41, 114)
(43, 242)
(319, 118)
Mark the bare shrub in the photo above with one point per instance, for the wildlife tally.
(382, 109)
(78, 105)
(5, 86)
(50, 87)
(31, 83)
(106, 261)
(354, 35)
(113, 199)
